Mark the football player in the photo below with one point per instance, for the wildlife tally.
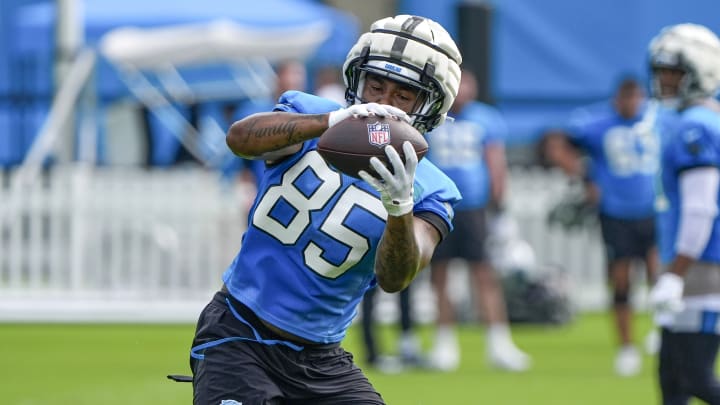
(471, 151)
(622, 144)
(685, 63)
(317, 239)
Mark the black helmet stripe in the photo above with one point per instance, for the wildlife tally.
(411, 23)
(420, 40)
(398, 48)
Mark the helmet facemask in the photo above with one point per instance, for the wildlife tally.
(429, 99)
(412, 51)
(669, 90)
(688, 49)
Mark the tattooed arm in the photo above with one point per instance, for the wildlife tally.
(273, 135)
(405, 248)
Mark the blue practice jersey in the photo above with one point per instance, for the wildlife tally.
(695, 143)
(307, 257)
(458, 148)
(624, 158)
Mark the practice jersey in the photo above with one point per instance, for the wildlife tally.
(307, 257)
(695, 143)
(624, 158)
(458, 149)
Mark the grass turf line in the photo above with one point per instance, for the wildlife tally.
(58, 364)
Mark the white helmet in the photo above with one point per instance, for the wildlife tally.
(693, 49)
(413, 50)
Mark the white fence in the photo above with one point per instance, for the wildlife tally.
(578, 253)
(127, 244)
(576, 256)
(117, 244)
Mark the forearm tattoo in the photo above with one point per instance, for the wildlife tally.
(285, 132)
(397, 257)
(281, 133)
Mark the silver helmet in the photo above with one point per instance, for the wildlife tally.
(412, 50)
(695, 51)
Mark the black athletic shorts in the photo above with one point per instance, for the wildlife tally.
(236, 358)
(467, 240)
(687, 367)
(627, 238)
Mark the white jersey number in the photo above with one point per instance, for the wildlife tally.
(631, 152)
(332, 225)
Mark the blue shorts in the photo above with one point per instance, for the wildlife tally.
(236, 358)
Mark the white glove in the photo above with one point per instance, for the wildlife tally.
(666, 294)
(396, 190)
(365, 110)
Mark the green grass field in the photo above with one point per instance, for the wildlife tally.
(127, 364)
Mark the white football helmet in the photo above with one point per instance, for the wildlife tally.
(413, 50)
(692, 49)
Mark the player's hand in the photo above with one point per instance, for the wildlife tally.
(396, 190)
(666, 294)
(365, 110)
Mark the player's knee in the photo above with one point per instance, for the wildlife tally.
(621, 297)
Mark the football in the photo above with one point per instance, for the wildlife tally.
(349, 144)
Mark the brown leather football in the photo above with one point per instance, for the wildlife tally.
(349, 144)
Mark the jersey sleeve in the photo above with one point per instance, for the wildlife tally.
(435, 196)
(694, 146)
(304, 103)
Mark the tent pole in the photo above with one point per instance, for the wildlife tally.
(69, 39)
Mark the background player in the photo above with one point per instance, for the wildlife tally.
(318, 239)
(471, 151)
(622, 146)
(685, 63)
(408, 343)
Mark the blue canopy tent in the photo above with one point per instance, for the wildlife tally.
(199, 46)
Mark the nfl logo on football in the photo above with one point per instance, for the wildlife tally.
(379, 134)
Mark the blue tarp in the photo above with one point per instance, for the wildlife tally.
(31, 47)
(34, 39)
(549, 56)
(576, 50)
(101, 16)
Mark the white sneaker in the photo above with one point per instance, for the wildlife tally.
(388, 365)
(506, 356)
(652, 342)
(445, 354)
(409, 349)
(628, 361)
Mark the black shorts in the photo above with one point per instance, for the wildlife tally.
(687, 367)
(231, 363)
(467, 240)
(627, 238)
